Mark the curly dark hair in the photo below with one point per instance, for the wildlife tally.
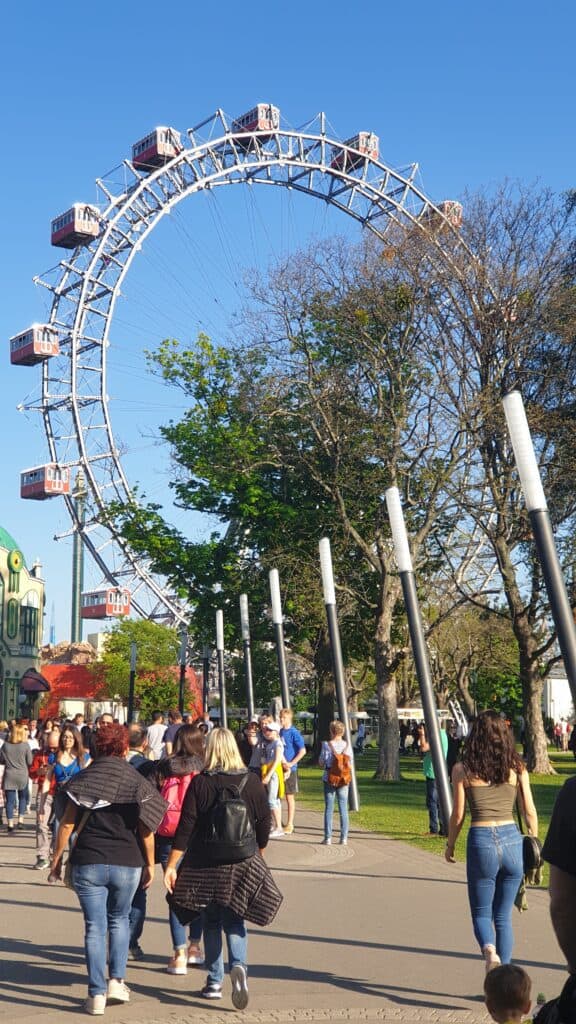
(489, 751)
(110, 740)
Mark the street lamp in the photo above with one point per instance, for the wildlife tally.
(133, 656)
(182, 663)
(245, 628)
(537, 509)
(221, 675)
(278, 619)
(406, 572)
(337, 660)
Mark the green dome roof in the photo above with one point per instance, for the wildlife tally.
(7, 541)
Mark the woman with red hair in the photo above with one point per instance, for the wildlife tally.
(114, 813)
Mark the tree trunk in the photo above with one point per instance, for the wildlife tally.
(535, 741)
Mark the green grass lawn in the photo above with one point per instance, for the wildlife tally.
(398, 809)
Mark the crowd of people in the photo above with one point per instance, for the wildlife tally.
(203, 803)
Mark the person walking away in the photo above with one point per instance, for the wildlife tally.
(436, 827)
(137, 746)
(273, 774)
(174, 724)
(16, 756)
(172, 776)
(336, 747)
(41, 762)
(489, 778)
(156, 736)
(294, 751)
(114, 812)
(229, 879)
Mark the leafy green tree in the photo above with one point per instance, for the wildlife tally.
(157, 675)
(292, 439)
(508, 323)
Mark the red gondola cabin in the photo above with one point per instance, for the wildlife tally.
(78, 226)
(368, 146)
(451, 211)
(108, 603)
(45, 482)
(33, 346)
(156, 149)
(262, 118)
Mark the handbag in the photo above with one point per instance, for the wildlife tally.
(531, 849)
(67, 875)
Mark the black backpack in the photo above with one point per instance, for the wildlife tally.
(226, 835)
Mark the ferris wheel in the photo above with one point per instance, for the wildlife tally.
(102, 239)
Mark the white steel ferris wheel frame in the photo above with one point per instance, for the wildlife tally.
(86, 285)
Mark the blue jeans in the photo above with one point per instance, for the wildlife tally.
(177, 930)
(216, 920)
(14, 796)
(137, 915)
(105, 892)
(433, 806)
(341, 795)
(494, 869)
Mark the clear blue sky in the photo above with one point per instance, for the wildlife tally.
(473, 93)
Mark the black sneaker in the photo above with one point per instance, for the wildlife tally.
(239, 987)
(211, 990)
(135, 952)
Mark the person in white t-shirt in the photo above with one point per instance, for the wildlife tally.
(155, 736)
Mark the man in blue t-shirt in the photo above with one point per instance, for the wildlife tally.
(294, 751)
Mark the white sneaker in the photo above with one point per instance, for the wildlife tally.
(95, 1005)
(118, 991)
(239, 987)
(276, 834)
(326, 842)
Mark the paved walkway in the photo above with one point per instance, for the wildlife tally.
(375, 931)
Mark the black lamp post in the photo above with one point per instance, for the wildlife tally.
(404, 562)
(277, 619)
(337, 660)
(132, 680)
(221, 675)
(542, 530)
(206, 653)
(245, 627)
(182, 664)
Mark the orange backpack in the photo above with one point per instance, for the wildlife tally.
(340, 771)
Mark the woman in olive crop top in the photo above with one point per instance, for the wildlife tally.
(490, 777)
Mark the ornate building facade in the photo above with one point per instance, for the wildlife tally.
(21, 623)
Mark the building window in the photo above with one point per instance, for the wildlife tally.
(28, 626)
(12, 617)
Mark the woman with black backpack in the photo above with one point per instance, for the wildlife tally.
(224, 826)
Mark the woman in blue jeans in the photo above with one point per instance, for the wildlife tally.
(337, 744)
(490, 778)
(114, 812)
